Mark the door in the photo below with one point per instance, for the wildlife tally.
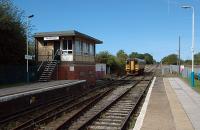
(56, 47)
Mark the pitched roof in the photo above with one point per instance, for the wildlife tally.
(66, 33)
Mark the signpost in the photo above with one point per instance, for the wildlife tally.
(28, 57)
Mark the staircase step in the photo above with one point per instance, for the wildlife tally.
(50, 66)
(44, 76)
(43, 80)
(48, 71)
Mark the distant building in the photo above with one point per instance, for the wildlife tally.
(100, 70)
(72, 52)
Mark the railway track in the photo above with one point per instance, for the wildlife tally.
(116, 117)
(69, 115)
(19, 118)
(33, 118)
(118, 100)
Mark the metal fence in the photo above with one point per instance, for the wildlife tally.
(186, 72)
(17, 74)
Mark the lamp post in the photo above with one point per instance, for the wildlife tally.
(27, 72)
(192, 73)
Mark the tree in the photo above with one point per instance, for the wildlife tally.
(108, 59)
(197, 59)
(134, 55)
(121, 58)
(148, 58)
(188, 62)
(12, 32)
(170, 59)
(103, 57)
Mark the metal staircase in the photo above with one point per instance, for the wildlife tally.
(48, 71)
(49, 68)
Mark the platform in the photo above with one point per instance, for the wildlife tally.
(170, 105)
(7, 94)
(17, 99)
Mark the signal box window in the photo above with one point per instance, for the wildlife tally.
(67, 45)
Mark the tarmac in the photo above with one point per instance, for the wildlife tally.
(170, 104)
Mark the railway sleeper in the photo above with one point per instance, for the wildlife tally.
(97, 123)
(115, 114)
(109, 120)
(117, 111)
(103, 128)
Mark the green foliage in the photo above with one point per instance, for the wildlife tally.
(117, 63)
(121, 59)
(108, 59)
(170, 59)
(12, 32)
(147, 57)
(188, 62)
(197, 59)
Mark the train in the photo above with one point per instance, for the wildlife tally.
(135, 66)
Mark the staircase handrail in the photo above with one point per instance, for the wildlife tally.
(58, 50)
(41, 64)
(46, 60)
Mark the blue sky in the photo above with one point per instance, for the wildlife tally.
(144, 26)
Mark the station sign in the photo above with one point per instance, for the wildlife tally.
(28, 57)
(51, 38)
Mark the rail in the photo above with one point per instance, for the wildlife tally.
(33, 123)
(57, 111)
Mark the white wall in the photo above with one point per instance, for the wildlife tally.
(101, 67)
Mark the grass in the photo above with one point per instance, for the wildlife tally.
(197, 85)
(196, 82)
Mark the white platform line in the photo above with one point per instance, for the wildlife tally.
(141, 116)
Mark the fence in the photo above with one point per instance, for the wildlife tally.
(186, 72)
(17, 74)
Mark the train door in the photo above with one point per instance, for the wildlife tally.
(132, 64)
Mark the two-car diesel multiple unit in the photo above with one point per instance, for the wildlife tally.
(135, 65)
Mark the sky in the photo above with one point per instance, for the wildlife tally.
(144, 26)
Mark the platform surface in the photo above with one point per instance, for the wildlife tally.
(189, 99)
(12, 92)
(170, 107)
